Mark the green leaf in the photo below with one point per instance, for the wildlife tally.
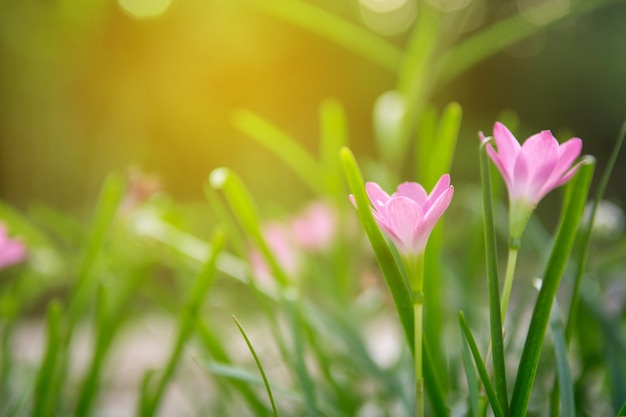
(345, 33)
(497, 37)
(622, 411)
(472, 382)
(480, 365)
(286, 148)
(258, 364)
(566, 385)
(395, 281)
(397, 285)
(573, 206)
(44, 404)
(186, 324)
(333, 136)
(495, 315)
(582, 252)
(415, 75)
(244, 208)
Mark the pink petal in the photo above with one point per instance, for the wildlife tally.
(439, 206)
(568, 152)
(508, 146)
(403, 217)
(534, 166)
(414, 191)
(442, 185)
(377, 195)
(505, 170)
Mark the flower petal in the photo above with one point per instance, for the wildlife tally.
(442, 186)
(377, 195)
(403, 217)
(534, 166)
(437, 209)
(562, 172)
(414, 191)
(508, 146)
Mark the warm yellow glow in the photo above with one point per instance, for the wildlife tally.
(143, 9)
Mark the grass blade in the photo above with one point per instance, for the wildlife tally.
(497, 37)
(244, 208)
(397, 285)
(259, 366)
(495, 315)
(333, 136)
(573, 206)
(472, 382)
(583, 247)
(480, 365)
(343, 32)
(187, 322)
(214, 346)
(286, 148)
(44, 394)
(566, 385)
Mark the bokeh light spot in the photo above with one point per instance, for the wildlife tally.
(388, 17)
(144, 9)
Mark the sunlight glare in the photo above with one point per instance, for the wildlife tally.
(540, 12)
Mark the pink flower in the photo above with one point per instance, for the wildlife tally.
(409, 215)
(316, 227)
(531, 170)
(11, 251)
(280, 243)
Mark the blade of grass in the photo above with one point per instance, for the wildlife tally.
(582, 251)
(497, 37)
(244, 208)
(214, 346)
(395, 281)
(44, 403)
(296, 323)
(470, 373)
(414, 81)
(495, 317)
(286, 148)
(622, 411)
(573, 206)
(343, 32)
(259, 366)
(566, 385)
(187, 321)
(333, 136)
(397, 285)
(480, 365)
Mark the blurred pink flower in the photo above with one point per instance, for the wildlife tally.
(282, 247)
(409, 215)
(531, 170)
(12, 251)
(316, 227)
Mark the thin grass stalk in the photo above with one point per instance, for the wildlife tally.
(582, 253)
(573, 206)
(186, 325)
(495, 318)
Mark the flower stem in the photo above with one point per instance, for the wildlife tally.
(416, 271)
(508, 279)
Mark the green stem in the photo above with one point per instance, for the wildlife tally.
(508, 279)
(416, 271)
